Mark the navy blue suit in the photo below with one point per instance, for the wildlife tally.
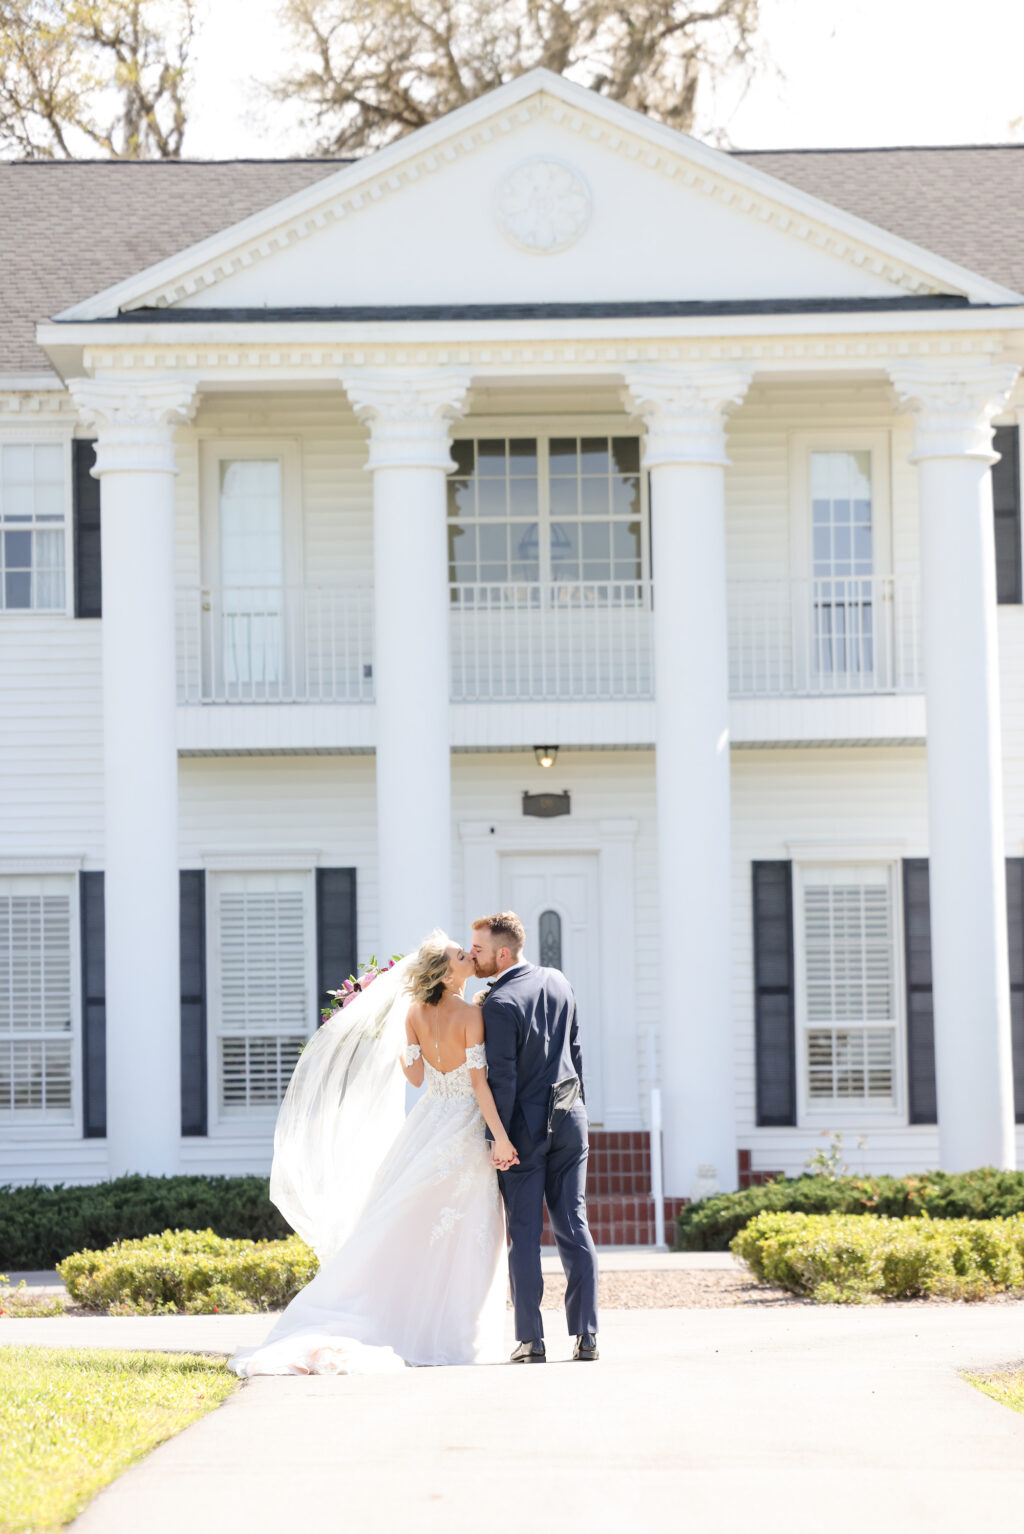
(533, 1045)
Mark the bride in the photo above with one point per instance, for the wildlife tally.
(403, 1212)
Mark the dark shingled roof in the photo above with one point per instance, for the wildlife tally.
(70, 228)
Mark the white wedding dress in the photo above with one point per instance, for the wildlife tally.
(419, 1277)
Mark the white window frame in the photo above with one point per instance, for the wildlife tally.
(61, 879)
(543, 428)
(877, 442)
(239, 1125)
(814, 1114)
(47, 436)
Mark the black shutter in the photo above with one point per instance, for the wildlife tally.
(192, 931)
(1006, 506)
(335, 930)
(774, 1018)
(94, 1006)
(1015, 933)
(86, 504)
(917, 943)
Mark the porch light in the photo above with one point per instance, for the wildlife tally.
(546, 756)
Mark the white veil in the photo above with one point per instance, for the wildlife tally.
(344, 1106)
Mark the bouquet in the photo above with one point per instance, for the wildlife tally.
(356, 984)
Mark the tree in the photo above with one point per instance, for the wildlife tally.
(372, 70)
(79, 77)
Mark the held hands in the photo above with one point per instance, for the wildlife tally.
(503, 1155)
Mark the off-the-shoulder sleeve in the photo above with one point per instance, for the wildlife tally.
(476, 1057)
(410, 1054)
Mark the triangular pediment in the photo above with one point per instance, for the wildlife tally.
(542, 193)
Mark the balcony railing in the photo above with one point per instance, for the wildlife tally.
(262, 644)
(845, 635)
(559, 640)
(522, 640)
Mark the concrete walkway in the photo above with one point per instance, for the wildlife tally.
(788, 1421)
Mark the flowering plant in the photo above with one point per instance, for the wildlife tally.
(356, 984)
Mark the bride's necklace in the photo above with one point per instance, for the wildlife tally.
(437, 1024)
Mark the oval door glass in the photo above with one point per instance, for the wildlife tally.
(549, 933)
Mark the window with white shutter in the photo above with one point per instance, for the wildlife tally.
(850, 988)
(262, 987)
(37, 1001)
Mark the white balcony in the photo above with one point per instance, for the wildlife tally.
(840, 637)
(546, 641)
(253, 644)
(550, 642)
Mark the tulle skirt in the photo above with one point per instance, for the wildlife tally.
(421, 1278)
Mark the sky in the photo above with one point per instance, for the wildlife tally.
(842, 73)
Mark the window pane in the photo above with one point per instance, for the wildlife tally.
(626, 455)
(461, 552)
(595, 497)
(625, 496)
(32, 514)
(565, 552)
(35, 1005)
(462, 452)
(49, 463)
(18, 590)
(562, 455)
(17, 465)
(525, 540)
(250, 522)
(492, 497)
(594, 455)
(493, 543)
(564, 497)
(18, 551)
(522, 453)
(626, 551)
(460, 498)
(522, 496)
(491, 458)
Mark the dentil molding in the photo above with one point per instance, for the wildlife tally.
(409, 414)
(134, 420)
(684, 410)
(954, 406)
(543, 205)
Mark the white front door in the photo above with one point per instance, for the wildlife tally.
(556, 897)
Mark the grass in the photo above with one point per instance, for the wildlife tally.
(71, 1419)
(21, 1302)
(1005, 1386)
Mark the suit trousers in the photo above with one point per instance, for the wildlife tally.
(555, 1172)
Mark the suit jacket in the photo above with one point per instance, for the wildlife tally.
(533, 1041)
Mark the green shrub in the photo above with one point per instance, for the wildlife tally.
(710, 1224)
(191, 1272)
(39, 1225)
(853, 1258)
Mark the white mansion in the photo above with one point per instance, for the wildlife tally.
(330, 493)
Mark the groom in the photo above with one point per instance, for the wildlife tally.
(535, 1071)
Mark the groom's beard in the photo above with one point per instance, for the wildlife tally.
(485, 974)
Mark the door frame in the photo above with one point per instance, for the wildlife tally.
(484, 843)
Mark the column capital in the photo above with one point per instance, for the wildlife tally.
(684, 409)
(408, 413)
(953, 404)
(135, 420)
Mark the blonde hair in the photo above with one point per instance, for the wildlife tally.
(430, 968)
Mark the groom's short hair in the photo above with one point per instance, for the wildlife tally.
(505, 926)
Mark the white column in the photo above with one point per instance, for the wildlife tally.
(408, 414)
(953, 406)
(135, 425)
(684, 410)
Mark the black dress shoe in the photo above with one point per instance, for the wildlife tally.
(585, 1351)
(529, 1353)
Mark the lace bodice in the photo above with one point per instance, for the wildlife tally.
(448, 1084)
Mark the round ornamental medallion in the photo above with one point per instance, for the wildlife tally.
(543, 205)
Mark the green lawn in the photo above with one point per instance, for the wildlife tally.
(71, 1419)
(1006, 1387)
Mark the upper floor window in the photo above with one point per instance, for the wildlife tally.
(36, 1000)
(32, 526)
(849, 994)
(540, 510)
(842, 564)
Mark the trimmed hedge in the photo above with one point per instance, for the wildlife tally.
(39, 1226)
(710, 1224)
(853, 1258)
(190, 1272)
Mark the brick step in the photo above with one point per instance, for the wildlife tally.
(616, 1220)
